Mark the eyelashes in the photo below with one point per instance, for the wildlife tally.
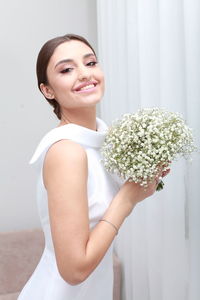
(68, 70)
(92, 63)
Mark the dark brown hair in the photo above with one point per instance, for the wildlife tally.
(43, 59)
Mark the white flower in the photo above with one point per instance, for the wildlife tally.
(137, 143)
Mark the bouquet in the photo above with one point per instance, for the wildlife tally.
(138, 145)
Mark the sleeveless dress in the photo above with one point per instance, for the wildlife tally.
(46, 282)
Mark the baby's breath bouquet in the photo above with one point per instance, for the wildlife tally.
(138, 145)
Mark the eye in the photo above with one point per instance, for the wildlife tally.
(66, 70)
(91, 63)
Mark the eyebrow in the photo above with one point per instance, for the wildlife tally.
(71, 60)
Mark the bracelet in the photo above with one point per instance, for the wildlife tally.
(110, 224)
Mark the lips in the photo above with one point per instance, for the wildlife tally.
(85, 86)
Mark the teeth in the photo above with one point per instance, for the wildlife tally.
(87, 87)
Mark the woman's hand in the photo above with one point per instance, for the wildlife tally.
(131, 193)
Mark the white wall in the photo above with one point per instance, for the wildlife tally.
(24, 115)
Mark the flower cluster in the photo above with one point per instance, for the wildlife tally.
(138, 145)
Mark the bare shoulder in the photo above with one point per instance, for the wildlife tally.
(65, 150)
(64, 157)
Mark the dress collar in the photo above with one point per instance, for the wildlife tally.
(74, 132)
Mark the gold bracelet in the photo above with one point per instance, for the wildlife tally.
(110, 224)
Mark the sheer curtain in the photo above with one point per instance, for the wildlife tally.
(150, 53)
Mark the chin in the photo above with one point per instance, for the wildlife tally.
(92, 101)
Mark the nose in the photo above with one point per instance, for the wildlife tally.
(84, 73)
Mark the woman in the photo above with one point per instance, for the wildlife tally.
(81, 206)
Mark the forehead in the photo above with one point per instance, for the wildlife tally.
(70, 50)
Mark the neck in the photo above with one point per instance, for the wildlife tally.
(85, 117)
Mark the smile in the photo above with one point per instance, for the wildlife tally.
(87, 87)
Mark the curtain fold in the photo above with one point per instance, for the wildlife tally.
(150, 54)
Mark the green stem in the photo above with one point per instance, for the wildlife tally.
(160, 186)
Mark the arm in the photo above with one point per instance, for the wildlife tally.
(78, 251)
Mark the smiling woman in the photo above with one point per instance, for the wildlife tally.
(76, 81)
(81, 206)
(66, 66)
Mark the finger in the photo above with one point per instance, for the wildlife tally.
(157, 180)
(165, 173)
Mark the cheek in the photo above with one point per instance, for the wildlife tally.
(103, 83)
(101, 78)
(61, 85)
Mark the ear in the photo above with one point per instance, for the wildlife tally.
(47, 91)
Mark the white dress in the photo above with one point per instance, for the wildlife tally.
(46, 282)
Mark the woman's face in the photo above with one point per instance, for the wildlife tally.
(74, 76)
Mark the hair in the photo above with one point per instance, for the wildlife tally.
(43, 59)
